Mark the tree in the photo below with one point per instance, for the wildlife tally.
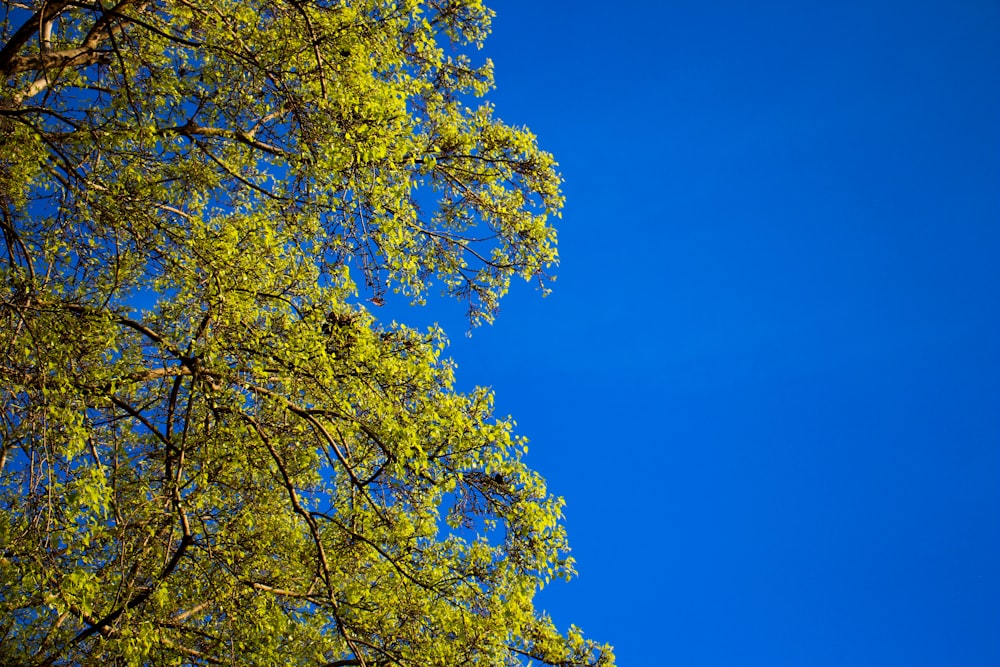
(210, 451)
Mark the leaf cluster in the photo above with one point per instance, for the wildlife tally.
(209, 452)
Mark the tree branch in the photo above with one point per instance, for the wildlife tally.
(80, 56)
(28, 29)
(192, 129)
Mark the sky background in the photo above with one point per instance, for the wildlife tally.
(768, 380)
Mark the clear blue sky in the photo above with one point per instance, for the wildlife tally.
(768, 380)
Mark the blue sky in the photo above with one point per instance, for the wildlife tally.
(768, 379)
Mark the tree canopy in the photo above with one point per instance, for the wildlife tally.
(211, 452)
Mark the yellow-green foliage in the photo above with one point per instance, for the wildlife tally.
(209, 452)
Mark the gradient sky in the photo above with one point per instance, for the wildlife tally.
(768, 380)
